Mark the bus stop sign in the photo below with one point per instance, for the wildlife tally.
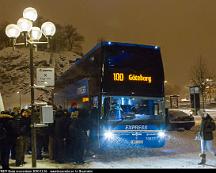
(195, 98)
(45, 76)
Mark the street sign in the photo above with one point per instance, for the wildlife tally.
(195, 98)
(194, 90)
(45, 76)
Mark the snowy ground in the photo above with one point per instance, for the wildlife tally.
(181, 151)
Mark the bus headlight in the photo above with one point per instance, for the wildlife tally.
(108, 135)
(161, 134)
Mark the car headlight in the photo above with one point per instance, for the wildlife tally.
(108, 135)
(161, 134)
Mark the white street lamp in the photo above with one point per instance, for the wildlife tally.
(32, 37)
(35, 34)
(24, 24)
(12, 31)
(30, 13)
(48, 29)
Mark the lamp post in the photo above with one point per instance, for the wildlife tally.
(32, 36)
(19, 99)
(208, 88)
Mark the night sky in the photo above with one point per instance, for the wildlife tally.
(184, 29)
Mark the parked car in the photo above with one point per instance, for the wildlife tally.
(177, 119)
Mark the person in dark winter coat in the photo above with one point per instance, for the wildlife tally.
(93, 125)
(71, 137)
(71, 130)
(13, 148)
(206, 134)
(59, 136)
(7, 138)
(23, 122)
(80, 130)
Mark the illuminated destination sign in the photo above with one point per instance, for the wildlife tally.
(131, 77)
(140, 77)
(118, 76)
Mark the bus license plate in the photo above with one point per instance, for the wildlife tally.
(137, 142)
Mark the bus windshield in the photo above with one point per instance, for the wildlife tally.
(117, 108)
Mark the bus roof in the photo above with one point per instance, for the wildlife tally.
(109, 43)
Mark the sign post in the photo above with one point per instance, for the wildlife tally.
(195, 98)
(45, 76)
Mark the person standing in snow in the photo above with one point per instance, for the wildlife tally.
(80, 139)
(7, 138)
(23, 129)
(206, 135)
(59, 129)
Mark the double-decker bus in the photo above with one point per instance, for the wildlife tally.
(124, 84)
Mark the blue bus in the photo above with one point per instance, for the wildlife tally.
(124, 86)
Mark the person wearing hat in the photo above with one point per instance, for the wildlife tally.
(206, 135)
(73, 110)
